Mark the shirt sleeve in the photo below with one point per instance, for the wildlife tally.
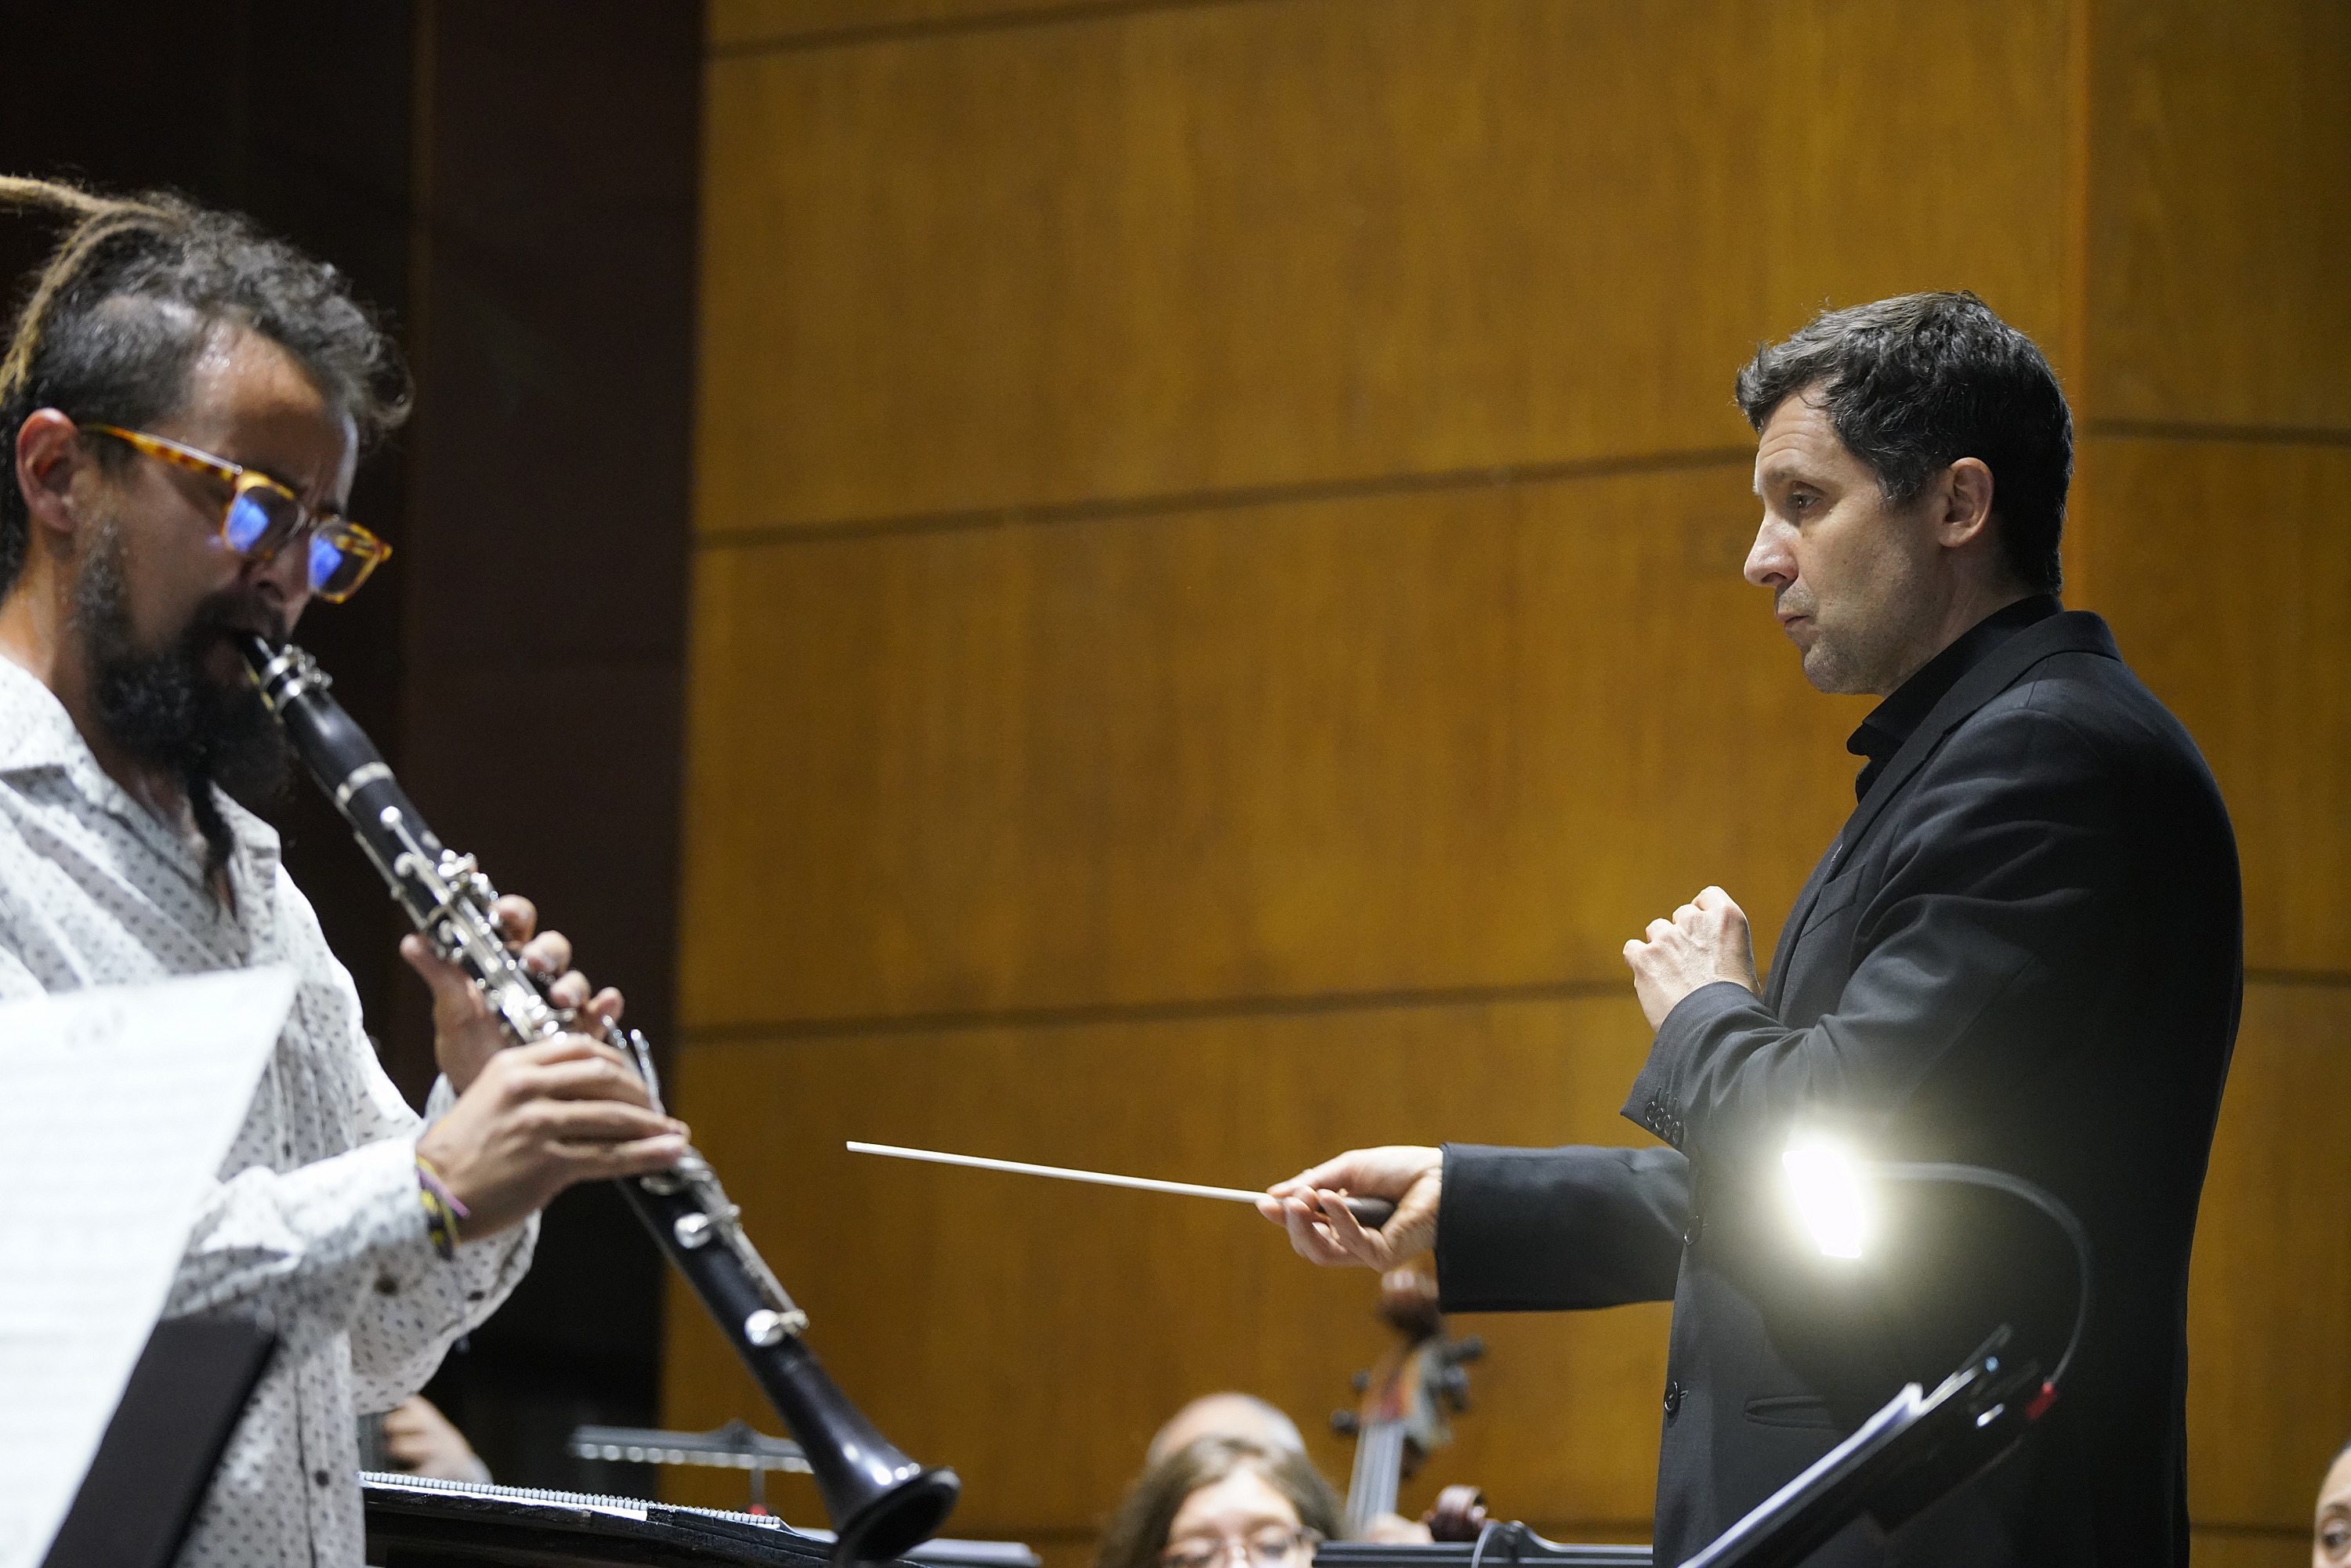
(340, 1245)
(419, 1302)
(1556, 1230)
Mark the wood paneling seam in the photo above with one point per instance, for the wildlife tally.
(1083, 1015)
(948, 26)
(2189, 430)
(1493, 477)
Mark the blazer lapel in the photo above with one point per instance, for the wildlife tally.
(2068, 631)
(1775, 982)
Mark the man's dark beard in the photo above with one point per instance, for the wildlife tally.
(164, 710)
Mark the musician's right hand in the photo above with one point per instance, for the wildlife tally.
(538, 1118)
(1326, 1233)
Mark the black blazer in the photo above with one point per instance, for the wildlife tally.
(2024, 951)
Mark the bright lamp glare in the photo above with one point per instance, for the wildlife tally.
(1826, 1185)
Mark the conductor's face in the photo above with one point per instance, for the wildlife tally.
(1851, 578)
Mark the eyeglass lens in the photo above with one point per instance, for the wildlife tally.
(262, 518)
(1267, 1549)
(259, 519)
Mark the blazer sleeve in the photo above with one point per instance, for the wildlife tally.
(1993, 921)
(1553, 1229)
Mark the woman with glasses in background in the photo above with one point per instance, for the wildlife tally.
(1222, 1502)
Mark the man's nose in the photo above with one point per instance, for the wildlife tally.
(1769, 563)
(284, 579)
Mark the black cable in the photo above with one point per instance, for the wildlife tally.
(1478, 1551)
(2039, 1198)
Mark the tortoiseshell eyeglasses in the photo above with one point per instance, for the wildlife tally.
(263, 517)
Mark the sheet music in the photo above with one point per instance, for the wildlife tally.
(117, 1104)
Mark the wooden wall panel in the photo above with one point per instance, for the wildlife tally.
(1294, 240)
(2225, 568)
(1218, 613)
(2222, 156)
(1033, 1333)
(2270, 1397)
(1471, 739)
(2230, 1549)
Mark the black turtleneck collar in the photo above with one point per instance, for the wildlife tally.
(1890, 724)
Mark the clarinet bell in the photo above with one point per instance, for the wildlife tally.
(882, 1503)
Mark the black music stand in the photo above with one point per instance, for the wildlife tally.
(1916, 1450)
(161, 1447)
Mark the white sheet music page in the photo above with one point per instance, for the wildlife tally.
(117, 1105)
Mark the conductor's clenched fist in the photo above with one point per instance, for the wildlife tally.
(1705, 941)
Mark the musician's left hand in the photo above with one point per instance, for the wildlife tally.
(422, 1442)
(465, 1034)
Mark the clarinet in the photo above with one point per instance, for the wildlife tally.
(882, 1503)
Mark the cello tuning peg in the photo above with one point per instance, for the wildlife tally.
(1469, 1348)
(1360, 1381)
(1344, 1423)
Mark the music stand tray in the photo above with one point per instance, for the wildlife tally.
(1915, 1450)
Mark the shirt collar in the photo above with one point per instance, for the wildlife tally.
(36, 733)
(1893, 721)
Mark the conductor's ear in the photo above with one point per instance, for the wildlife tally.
(1966, 503)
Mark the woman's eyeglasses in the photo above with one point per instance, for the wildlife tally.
(1268, 1548)
(263, 517)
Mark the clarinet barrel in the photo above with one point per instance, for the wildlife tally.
(882, 1503)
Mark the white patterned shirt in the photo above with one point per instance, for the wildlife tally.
(314, 1220)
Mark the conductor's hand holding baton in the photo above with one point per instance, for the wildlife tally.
(1703, 941)
(1322, 1229)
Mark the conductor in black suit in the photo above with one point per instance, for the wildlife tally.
(2024, 951)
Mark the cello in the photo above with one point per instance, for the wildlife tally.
(1402, 1415)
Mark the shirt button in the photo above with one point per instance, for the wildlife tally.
(1696, 1229)
(385, 1285)
(1673, 1399)
(320, 1477)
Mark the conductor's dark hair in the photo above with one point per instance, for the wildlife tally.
(116, 319)
(1137, 1532)
(1914, 384)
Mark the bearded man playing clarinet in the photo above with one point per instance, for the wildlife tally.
(2023, 954)
(183, 404)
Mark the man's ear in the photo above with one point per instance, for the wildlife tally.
(1963, 513)
(49, 454)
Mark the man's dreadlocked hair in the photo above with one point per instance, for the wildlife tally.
(127, 301)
